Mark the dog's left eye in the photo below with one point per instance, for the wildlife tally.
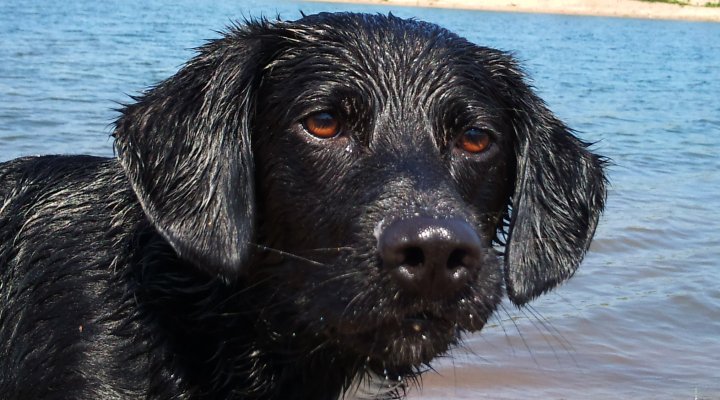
(475, 140)
(323, 125)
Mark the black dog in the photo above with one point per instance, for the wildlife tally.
(304, 205)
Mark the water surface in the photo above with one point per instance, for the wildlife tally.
(641, 318)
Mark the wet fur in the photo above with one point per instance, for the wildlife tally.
(227, 254)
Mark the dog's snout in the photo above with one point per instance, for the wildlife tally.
(431, 258)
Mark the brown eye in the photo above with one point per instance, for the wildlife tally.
(322, 125)
(475, 140)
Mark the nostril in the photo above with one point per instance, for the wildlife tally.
(413, 257)
(457, 259)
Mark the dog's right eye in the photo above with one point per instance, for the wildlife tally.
(323, 125)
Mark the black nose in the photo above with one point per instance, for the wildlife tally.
(432, 258)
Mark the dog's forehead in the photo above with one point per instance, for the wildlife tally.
(364, 26)
(376, 40)
(382, 56)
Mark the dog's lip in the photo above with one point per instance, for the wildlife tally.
(421, 321)
(409, 341)
(418, 323)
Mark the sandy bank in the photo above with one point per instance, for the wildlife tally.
(607, 8)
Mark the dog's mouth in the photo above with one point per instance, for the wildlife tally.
(402, 343)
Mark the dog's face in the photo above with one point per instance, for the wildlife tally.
(360, 169)
(374, 129)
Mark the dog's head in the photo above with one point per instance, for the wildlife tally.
(382, 178)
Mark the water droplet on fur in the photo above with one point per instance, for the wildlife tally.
(423, 337)
(378, 229)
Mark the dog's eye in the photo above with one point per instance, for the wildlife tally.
(323, 125)
(475, 140)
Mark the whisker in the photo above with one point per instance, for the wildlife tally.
(462, 345)
(517, 328)
(289, 255)
(242, 291)
(319, 347)
(351, 303)
(532, 318)
(550, 328)
(337, 278)
(505, 332)
(338, 249)
(451, 355)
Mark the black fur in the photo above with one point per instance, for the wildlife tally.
(226, 253)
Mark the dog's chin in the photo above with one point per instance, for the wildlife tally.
(404, 345)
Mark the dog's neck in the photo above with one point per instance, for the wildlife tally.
(245, 354)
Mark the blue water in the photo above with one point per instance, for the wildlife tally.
(641, 318)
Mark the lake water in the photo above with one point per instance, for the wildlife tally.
(640, 319)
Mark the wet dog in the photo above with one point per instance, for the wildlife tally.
(302, 206)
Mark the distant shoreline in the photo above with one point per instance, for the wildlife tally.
(603, 8)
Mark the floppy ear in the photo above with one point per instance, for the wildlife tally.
(185, 147)
(558, 197)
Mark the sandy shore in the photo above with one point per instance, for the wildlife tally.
(696, 11)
